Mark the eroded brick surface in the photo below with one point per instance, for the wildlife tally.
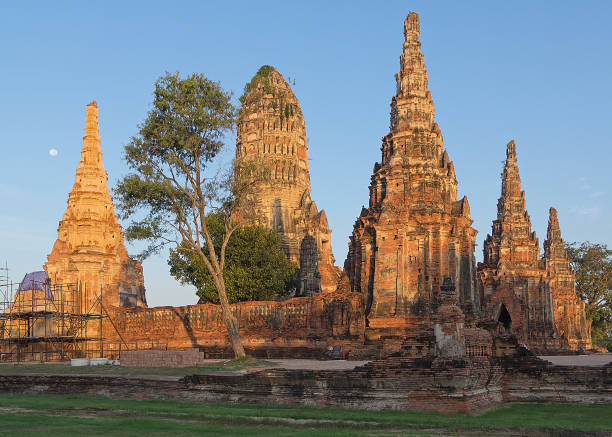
(303, 327)
(271, 132)
(415, 232)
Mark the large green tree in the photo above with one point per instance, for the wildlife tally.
(174, 184)
(592, 264)
(256, 267)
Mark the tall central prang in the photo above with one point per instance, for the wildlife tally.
(415, 232)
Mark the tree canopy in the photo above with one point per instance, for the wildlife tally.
(171, 188)
(256, 267)
(592, 264)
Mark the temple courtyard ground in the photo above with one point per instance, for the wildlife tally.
(119, 409)
(231, 366)
(210, 366)
(579, 360)
(52, 415)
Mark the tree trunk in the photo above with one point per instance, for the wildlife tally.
(230, 323)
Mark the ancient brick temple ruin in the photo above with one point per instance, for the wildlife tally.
(415, 232)
(531, 298)
(411, 295)
(271, 131)
(90, 248)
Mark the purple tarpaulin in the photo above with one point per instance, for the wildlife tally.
(36, 281)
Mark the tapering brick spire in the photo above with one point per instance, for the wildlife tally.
(91, 154)
(412, 107)
(91, 178)
(570, 315)
(414, 136)
(512, 281)
(553, 233)
(91, 120)
(554, 247)
(513, 225)
(512, 200)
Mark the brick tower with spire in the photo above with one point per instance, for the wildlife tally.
(414, 232)
(569, 309)
(513, 286)
(271, 131)
(90, 246)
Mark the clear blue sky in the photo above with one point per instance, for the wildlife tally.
(536, 72)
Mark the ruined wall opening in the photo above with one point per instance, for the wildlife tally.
(505, 319)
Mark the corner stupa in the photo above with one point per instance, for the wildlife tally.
(90, 245)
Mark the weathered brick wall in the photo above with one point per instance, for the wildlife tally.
(459, 386)
(399, 384)
(315, 323)
(162, 358)
(532, 379)
(371, 388)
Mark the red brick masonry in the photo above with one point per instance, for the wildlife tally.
(160, 358)
(397, 383)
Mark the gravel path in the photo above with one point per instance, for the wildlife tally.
(317, 364)
(299, 364)
(594, 360)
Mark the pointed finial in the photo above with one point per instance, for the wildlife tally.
(91, 153)
(412, 27)
(553, 214)
(91, 120)
(511, 149)
(554, 248)
(554, 231)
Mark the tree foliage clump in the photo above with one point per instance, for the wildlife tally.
(592, 264)
(256, 267)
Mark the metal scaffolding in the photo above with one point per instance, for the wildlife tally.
(45, 321)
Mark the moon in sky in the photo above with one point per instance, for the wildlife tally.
(53, 152)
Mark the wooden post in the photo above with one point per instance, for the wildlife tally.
(100, 333)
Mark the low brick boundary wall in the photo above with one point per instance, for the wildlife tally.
(398, 384)
(534, 380)
(162, 358)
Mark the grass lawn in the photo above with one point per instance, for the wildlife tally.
(62, 368)
(50, 415)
